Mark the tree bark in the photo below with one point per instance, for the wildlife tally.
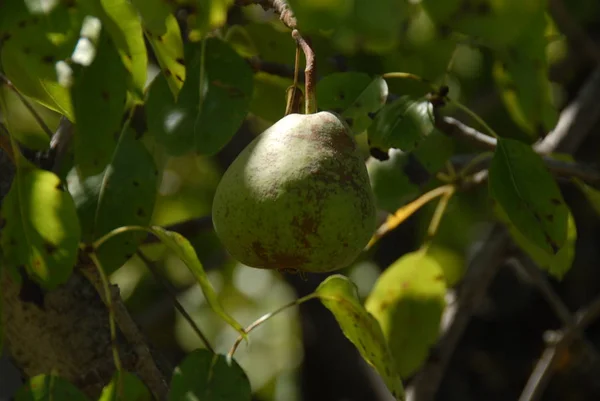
(67, 329)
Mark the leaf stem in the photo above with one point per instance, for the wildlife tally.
(111, 312)
(27, 105)
(474, 116)
(408, 75)
(437, 216)
(266, 317)
(310, 73)
(100, 241)
(406, 211)
(292, 92)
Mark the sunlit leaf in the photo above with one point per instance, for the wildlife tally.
(125, 386)
(41, 230)
(34, 44)
(338, 294)
(99, 95)
(163, 33)
(408, 301)
(355, 96)
(204, 15)
(121, 20)
(226, 90)
(49, 388)
(184, 250)
(402, 124)
(209, 377)
(523, 187)
(123, 194)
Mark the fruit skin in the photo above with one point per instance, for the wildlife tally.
(297, 197)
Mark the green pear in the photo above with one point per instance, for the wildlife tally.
(297, 198)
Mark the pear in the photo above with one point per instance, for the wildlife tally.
(297, 197)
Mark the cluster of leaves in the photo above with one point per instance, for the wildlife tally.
(88, 60)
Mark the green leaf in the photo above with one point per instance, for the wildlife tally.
(353, 25)
(523, 187)
(123, 194)
(401, 178)
(408, 301)
(557, 264)
(209, 377)
(206, 15)
(122, 22)
(99, 95)
(270, 44)
(402, 124)
(49, 388)
(125, 387)
(164, 35)
(338, 294)
(208, 123)
(33, 44)
(184, 250)
(497, 23)
(41, 230)
(226, 91)
(592, 195)
(269, 96)
(353, 95)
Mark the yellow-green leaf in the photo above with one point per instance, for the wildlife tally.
(49, 388)
(408, 301)
(125, 386)
(41, 230)
(338, 294)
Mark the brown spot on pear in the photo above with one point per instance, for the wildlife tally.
(297, 197)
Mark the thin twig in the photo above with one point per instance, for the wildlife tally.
(543, 370)
(173, 295)
(566, 137)
(281, 7)
(27, 105)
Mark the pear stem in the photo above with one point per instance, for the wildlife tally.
(310, 72)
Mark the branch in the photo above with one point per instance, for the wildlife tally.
(543, 370)
(286, 15)
(566, 137)
(457, 129)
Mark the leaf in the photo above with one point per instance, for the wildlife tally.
(354, 95)
(226, 91)
(132, 389)
(124, 26)
(206, 15)
(523, 187)
(123, 194)
(209, 377)
(208, 123)
(402, 124)
(184, 250)
(408, 301)
(99, 95)
(401, 178)
(557, 264)
(269, 43)
(49, 388)
(33, 44)
(164, 35)
(41, 230)
(269, 96)
(592, 194)
(353, 25)
(338, 294)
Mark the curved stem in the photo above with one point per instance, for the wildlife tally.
(437, 216)
(408, 75)
(310, 73)
(111, 312)
(266, 317)
(474, 116)
(293, 96)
